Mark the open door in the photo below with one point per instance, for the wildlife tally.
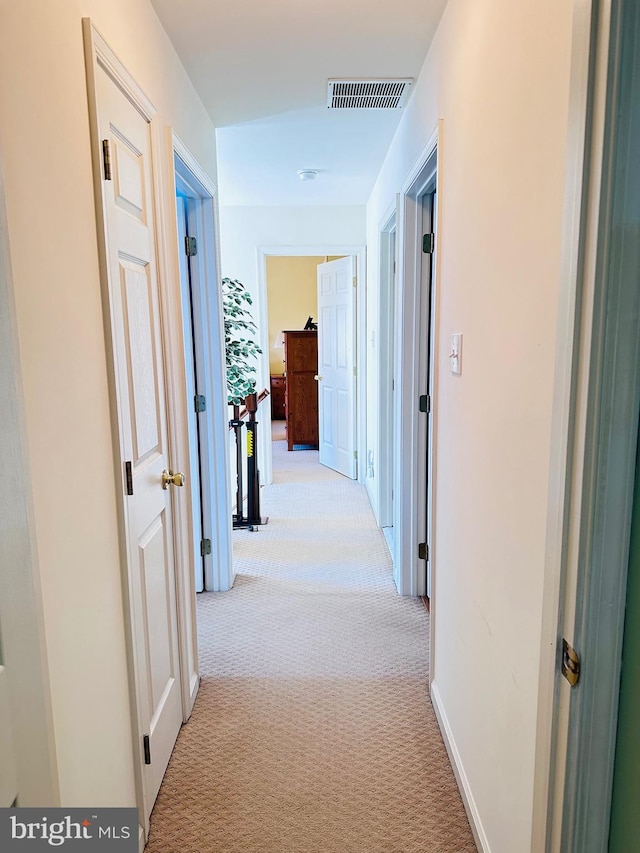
(337, 366)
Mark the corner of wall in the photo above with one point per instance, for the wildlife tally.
(466, 792)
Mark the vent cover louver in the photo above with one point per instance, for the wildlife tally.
(389, 94)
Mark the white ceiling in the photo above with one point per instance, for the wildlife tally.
(261, 69)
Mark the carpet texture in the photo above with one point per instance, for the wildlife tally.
(313, 731)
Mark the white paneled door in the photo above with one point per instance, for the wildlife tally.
(337, 365)
(139, 371)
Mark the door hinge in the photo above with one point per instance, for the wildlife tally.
(200, 403)
(354, 281)
(128, 477)
(425, 403)
(355, 455)
(355, 370)
(106, 159)
(147, 749)
(423, 551)
(428, 243)
(570, 663)
(190, 246)
(205, 547)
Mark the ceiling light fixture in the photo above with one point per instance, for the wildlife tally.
(307, 174)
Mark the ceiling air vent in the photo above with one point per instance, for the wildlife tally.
(389, 94)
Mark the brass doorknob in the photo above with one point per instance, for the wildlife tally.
(171, 479)
(318, 377)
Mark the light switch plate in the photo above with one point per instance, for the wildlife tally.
(455, 357)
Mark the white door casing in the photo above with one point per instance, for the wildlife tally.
(337, 365)
(410, 461)
(139, 387)
(190, 370)
(385, 357)
(211, 464)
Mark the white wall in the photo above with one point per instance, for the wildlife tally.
(497, 75)
(44, 135)
(246, 230)
(22, 649)
(292, 296)
(243, 230)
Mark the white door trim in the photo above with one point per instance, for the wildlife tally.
(386, 352)
(569, 412)
(596, 590)
(264, 438)
(213, 450)
(219, 572)
(411, 449)
(21, 609)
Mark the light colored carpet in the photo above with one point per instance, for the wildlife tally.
(313, 731)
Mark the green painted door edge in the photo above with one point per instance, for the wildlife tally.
(610, 455)
(624, 834)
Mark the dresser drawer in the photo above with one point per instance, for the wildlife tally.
(278, 388)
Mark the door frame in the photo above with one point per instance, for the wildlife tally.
(412, 447)
(264, 438)
(210, 368)
(388, 251)
(610, 443)
(569, 410)
(574, 751)
(21, 608)
(194, 474)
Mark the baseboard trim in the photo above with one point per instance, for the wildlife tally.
(479, 835)
(141, 841)
(368, 484)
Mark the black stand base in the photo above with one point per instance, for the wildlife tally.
(253, 519)
(249, 524)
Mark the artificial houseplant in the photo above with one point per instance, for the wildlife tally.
(240, 347)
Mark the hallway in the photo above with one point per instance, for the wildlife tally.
(313, 731)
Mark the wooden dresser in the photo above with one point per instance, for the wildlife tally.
(301, 391)
(278, 386)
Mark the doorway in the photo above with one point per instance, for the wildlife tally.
(203, 373)
(415, 392)
(187, 248)
(588, 802)
(426, 248)
(292, 307)
(387, 373)
(271, 338)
